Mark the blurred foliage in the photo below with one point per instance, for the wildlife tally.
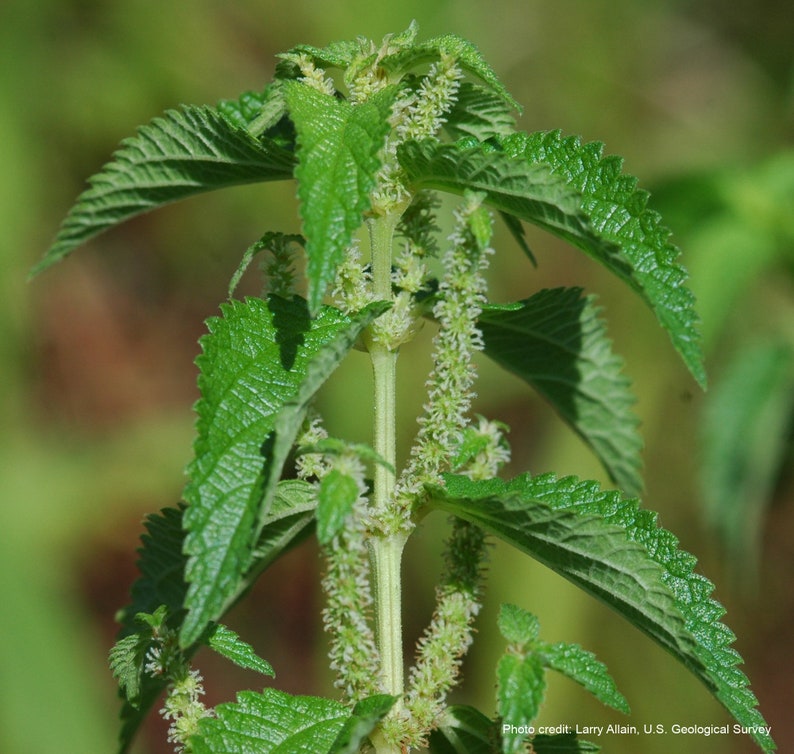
(96, 356)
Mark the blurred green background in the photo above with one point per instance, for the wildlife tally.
(96, 361)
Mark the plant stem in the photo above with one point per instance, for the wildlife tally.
(387, 544)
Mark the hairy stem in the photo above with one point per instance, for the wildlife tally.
(388, 541)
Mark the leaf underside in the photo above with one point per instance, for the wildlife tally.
(182, 153)
(619, 214)
(615, 551)
(556, 342)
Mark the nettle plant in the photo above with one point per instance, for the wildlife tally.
(371, 149)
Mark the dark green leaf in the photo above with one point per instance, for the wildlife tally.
(464, 730)
(161, 565)
(520, 688)
(357, 728)
(255, 361)
(619, 215)
(338, 492)
(615, 551)
(529, 192)
(556, 342)
(182, 153)
(228, 644)
(271, 723)
(338, 146)
(563, 743)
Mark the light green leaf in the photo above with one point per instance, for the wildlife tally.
(258, 112)
(583, 668)
(516, 625)
(271, 723)
(615, 551)
(365, 717)
(255, 360)
(126, 660)
(182, 153)
(530, 192)
(556, 342)
(745, 430)
(619, 214)
(465, 53)
(464, 730)
(228, 644)
(521, 685)
(338, 146)
(338, 493)
(478, 112)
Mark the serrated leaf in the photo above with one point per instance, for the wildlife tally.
(271, 723)
(583, 668)
(619, 214)
(126, 660)
(556, 342)
(365, 717)
(465, 53)
(478, 112)
(338, 492)
(261, 112)
(162, 565)
(529, 192)
(746, 422)
(338, 159)
(255, 360)
(182, 153)
(335, 55)
(228, 644)
(464, 730)
(615, 551)
(516, 625)
(521, 685)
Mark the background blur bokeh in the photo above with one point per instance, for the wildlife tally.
(96, 359)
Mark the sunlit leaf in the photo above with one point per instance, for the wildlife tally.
(182, 153)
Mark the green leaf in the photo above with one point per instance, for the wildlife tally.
(182, 153)
(365, 717)
(583, 668)
(745, 429)
(464, 730)
(338, 493)
(478, 112)
(556, 342)
(255, 360)
(562, 743)
(619, 214)
(228, 644)
(338, 146)
(126, 660)
(530, 192)
(521, 686)
(161, 565)
(271, 723)
(615, 551)
(467, 55)
(516, 625)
